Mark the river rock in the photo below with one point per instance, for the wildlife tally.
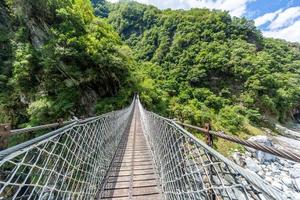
(262, 197)
(261, 174)
(216, 180)
(287, 181)
(239, 194)
(268, 173)
(295, 171)
(296, 195)
(296, 183)
(261, 156)
(277, 184)
(238, 159)
(269, 179)
(252, 165)
(282, 162)
(280, 173)
(285, 188)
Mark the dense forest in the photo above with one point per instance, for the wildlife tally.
(202, 65)
(57, 60)
(64, 58)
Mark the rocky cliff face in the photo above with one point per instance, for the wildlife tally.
(38, 32)
(24, 14)
(29, 14)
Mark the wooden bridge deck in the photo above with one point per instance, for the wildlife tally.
(132, 175)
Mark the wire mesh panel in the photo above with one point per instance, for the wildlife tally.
(69, 163)
(189, 169)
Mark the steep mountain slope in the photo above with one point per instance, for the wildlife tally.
(201, 65)
(5, 55)
(58, 60)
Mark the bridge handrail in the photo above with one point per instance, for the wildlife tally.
(255, 145)
(55, 125)
(68, 125)
(250, 176)
(68, 163)
(156, 138)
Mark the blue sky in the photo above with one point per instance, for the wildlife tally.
(276, 18)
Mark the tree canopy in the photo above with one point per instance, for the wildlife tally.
(64, 58)
(61, 59)
(206, 66)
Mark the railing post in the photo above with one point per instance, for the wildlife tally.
(209, 142)
(4, 133)
(209, 137)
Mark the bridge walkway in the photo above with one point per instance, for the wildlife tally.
(132, 175)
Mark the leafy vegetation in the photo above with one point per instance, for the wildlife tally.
(58, 60)
(63, 60)
(206, 66)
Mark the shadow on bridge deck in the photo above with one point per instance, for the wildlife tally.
(132, 175)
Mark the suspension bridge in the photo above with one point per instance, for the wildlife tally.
(126, 154)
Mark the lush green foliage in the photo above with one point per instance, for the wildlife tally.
(63, 60)
(206, 66)
(57, 59)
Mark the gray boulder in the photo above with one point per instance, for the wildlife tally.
(295, 171)
(287, 181)
(238, 159)
(262, 156)
(252, 165)
(277, 184)
(296, 184)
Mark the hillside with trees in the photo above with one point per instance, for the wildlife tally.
(60, 59)
(205, 66)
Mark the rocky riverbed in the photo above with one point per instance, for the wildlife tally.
(282, 174)
(294, 134)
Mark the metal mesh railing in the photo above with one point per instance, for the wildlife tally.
(72, 163)
(69, 163)
(189, 169)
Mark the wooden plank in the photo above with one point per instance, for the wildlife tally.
(132, 175)
(147, 197)
(144, 177)
(118, 198)
(129, 168)
(136, 184)
(150, 182)
(145, 190)
(116, 193)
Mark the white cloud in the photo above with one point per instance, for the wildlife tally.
(280, 18)
(268, 17)
(284, 24)
(285, 18)
(290, 33)
(235, 7)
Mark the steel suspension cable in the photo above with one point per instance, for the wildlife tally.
(255, 145)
